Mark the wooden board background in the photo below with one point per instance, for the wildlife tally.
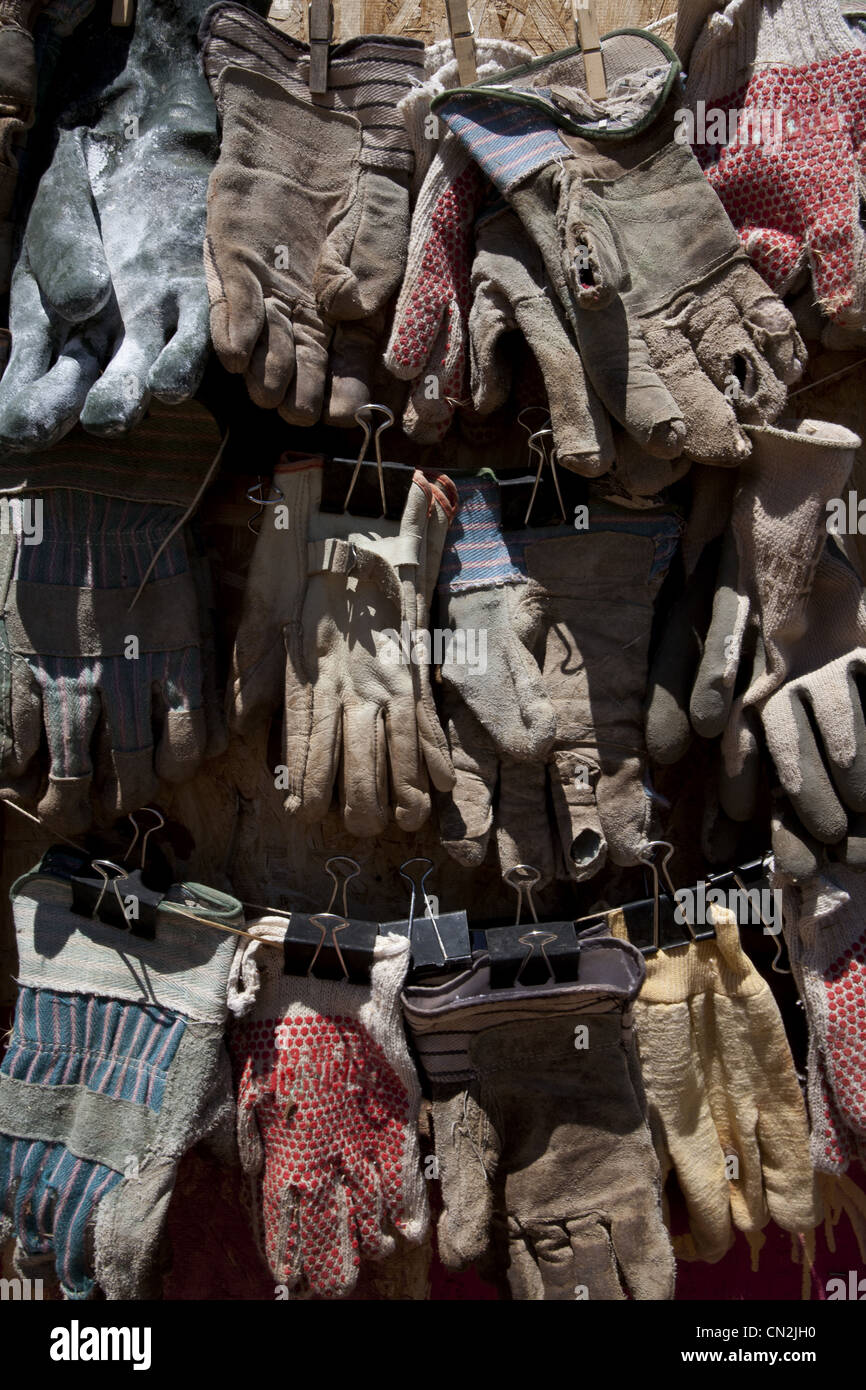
(543, 25)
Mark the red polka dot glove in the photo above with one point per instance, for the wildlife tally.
(824, 921)
(429, 337)
(327, 1116)
(778, 93)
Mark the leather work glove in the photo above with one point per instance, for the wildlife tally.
(102, 626)
(789, 83)
(679, 337)
(327, 1114)
(108, 304)
(540, 1129)
(725, 1105)
(350, 599)
(338, 167)
(579, 624)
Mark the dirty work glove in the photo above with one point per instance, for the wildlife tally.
(679, 337)
(825, 933)
(82, 669)
(725, 1106)
(327, 1112)
(540, 1123)
(711, 1043)
(763, 575)
(584, 612)
(116, 1067)
(790, 80)
(109, 304)
(338, 166)
(428, 343)
(510, 292)
(814, 722)
(350, 597)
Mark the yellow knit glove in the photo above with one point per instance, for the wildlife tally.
(725, 1105)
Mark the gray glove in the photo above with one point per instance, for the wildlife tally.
(109, 304)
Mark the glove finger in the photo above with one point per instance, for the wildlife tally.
(592, 1266)
(642, 1247)
(353, 351)
(120, 398)
(795, 852)
(712, 434)
(408, 777)
(466, 812)
(237, 309)
(581, 428)
(64, 244)
(800, 767)
(625, 809)
(852, 850)
(617, 363)
(353, 279)
(303, 400)
(573, 781)
(47, 380)
(843, 730)
(774, 332)
(668, 730)
(176, 374)
(313, 730)
(715, 679)
(740, 764)
(272, 363)
(522, 830)
(364, 770)
(490, 376)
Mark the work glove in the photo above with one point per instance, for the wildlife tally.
(760, 579)
(725, 1105)
(540, 1125)
(511, 293)
(679, 337)
(350, 599)
(789, 79)
(428, 342)
(823, 923)
(108, 304)
(579, 621)
(116, 1067)
(338, 167)
(101, 630)
(327, 1115)
(814, 727)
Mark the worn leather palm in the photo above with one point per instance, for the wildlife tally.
(109, 304)
(540, 1129)
(333, 611)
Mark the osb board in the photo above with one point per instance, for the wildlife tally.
(542, 25)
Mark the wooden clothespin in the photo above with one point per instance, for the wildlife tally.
(122, 13)
(320, 17)
(462, 40)
(586, 34)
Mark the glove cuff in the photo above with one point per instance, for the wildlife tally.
(748, 35)
(704, 967)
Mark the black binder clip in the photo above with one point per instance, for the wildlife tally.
(330, 945)
(541, 954)
(439, 940)
(130, 906)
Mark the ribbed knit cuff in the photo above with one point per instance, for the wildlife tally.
(703, 967)
(748, 35)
